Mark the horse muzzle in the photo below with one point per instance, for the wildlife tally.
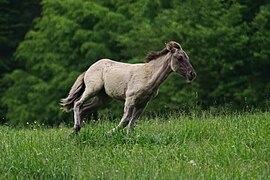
(191, 75)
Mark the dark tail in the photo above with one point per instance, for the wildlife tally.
(74, 94)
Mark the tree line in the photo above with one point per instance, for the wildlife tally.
(46, 45)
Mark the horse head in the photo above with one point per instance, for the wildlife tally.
(180, 62)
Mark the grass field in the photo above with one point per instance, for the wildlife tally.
(235, 146)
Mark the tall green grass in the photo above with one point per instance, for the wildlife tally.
(235, 146)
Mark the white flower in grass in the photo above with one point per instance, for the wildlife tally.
(192, 162)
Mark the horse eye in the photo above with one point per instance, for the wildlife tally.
(180, 58)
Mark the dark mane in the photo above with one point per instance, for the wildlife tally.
(154, 55)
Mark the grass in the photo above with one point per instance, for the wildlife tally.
(235, 146)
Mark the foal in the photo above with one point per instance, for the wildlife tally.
(135, 84)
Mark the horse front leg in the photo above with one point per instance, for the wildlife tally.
(135, 116)
(124, 120)
(128, 110)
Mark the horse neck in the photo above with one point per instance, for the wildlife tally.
(160, 71)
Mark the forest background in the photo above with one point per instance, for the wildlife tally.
(45, 45)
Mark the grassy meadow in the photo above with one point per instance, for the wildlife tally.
(206, 146)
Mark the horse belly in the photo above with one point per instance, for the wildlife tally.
(115, 85)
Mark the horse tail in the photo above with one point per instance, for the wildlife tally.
(74, 94)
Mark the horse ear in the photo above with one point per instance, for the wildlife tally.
(170, 47)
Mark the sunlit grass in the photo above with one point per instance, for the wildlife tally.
(179, 147)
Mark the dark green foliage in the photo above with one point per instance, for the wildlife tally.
(228, 43)
(15, 20)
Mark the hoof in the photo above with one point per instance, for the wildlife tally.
(76, 129)
(73, 134)
(111, 131)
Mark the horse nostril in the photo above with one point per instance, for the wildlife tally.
(192, 74)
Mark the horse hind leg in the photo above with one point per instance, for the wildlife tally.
(99, 101)
(88, 93)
